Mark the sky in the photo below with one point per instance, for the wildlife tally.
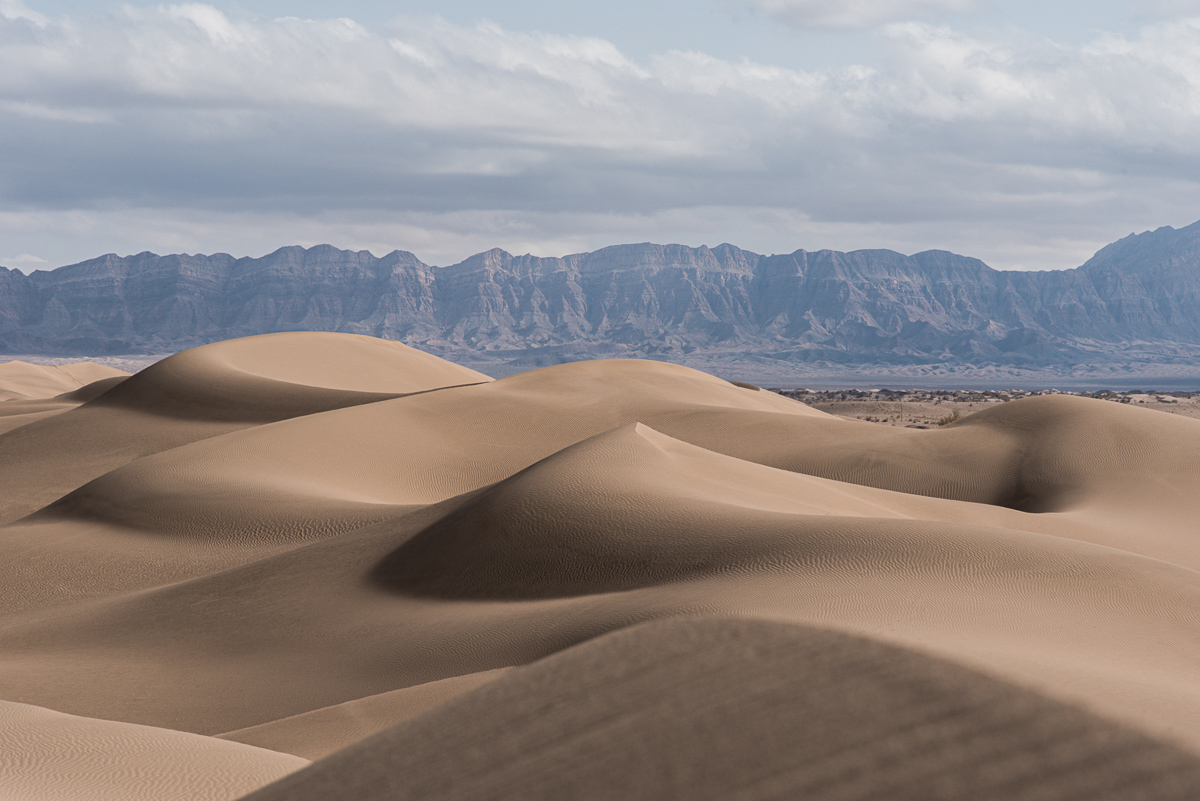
(1027, 134)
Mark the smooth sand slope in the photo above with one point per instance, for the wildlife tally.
(190, 396)
(324, 731)
(345, 550)
(204, 392)
(49, 756)
(31, 392)
(23, 381)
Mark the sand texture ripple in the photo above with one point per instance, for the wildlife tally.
(327, 566)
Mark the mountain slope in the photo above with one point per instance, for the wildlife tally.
(1136, 300)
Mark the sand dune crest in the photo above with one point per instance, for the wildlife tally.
(277, 376)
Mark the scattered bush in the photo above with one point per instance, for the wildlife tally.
(950, 418)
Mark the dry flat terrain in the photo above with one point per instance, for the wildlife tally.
(313, 566)
(916, 408)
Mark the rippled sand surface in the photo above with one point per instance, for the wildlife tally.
(329, 566)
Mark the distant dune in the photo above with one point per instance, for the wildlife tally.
(313, 566)
(21, 381)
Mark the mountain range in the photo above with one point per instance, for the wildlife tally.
(1136, 302)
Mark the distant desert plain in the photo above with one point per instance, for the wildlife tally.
(312, 566)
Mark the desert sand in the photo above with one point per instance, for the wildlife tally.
(328, 566)
(22, 381)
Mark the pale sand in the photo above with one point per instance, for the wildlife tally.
(31, 392)
(49, 756)
(22, 381)
(314, 542)
(202, 393)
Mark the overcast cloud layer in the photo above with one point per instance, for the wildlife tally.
(179, 128)
(852, 13)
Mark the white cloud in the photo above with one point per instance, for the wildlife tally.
(25, 262)
(211, 21)
(15, 9)
(446, 137)
(853, 13)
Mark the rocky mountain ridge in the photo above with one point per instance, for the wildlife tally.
(1137, 300)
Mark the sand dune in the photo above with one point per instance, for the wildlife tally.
(324, 731)
(263, 379)
(49, 755)
(30, 392)
(23, 381)
(346, 550)
(662, 711)
(201, 393)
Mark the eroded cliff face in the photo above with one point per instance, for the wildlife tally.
(1141, 294)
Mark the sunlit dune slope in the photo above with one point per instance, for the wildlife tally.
(22, 381)
(29, 392)
(276, 376)
(203, 392)
(49, 756)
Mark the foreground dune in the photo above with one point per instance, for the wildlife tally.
(720, 709)
(327, 547)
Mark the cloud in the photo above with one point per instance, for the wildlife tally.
(15, 9)
(448, 137)
(854, 13)
(1167, 8)
(25, 262)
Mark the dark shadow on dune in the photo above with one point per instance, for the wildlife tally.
(1038, 500)
(231, 397)
(483, 551)
(89, 392)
